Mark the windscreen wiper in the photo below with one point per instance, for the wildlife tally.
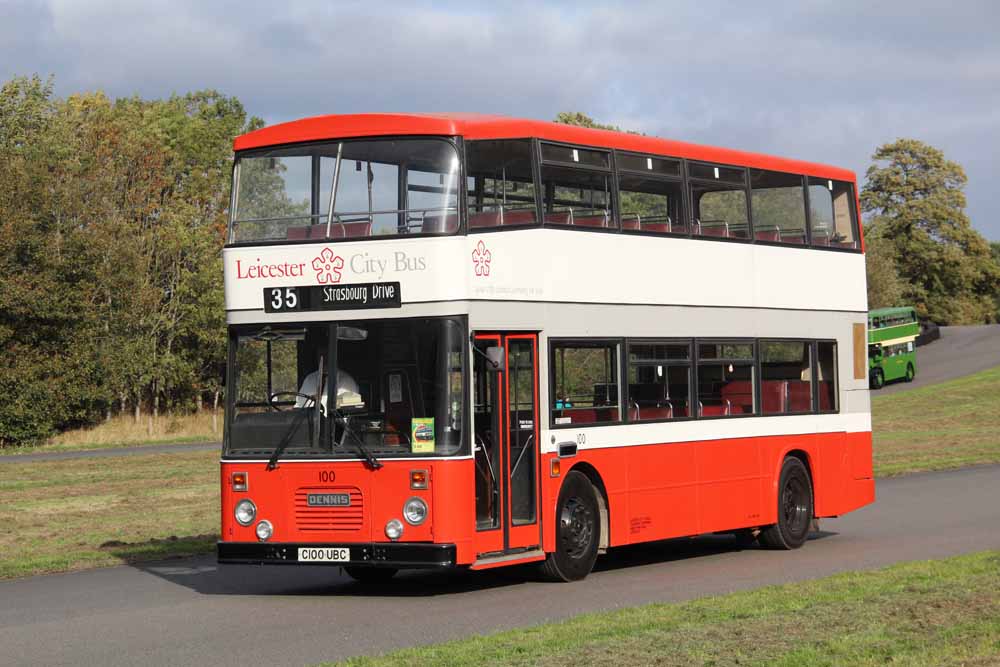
(359, 444)
(272, 462)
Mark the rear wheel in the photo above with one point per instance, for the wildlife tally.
(877, 379)
(795, 508)
(578, 531)
(910, 373)
(370, 575)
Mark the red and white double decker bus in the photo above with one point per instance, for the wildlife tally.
(460, 340)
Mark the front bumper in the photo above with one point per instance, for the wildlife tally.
(386, 554)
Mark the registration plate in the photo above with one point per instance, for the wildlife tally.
(324, 554)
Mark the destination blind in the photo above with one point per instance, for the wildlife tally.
(332, 297)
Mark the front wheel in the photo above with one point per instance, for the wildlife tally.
(795, 508)
(877, 379)
(578, 531)
(910, 373)
(370, 575)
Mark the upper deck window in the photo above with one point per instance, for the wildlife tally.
(650, 194)
(576, 186)
(376, 188)
(501, 188)
(778, 204)
(719, 200)
(831, 213)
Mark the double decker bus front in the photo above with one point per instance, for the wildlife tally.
(345, 432)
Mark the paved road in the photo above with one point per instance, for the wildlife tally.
(192, 612)
(960, 351)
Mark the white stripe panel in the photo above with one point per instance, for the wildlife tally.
(626, 435)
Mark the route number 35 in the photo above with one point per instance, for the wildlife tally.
(284, 298)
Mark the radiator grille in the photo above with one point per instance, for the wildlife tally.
(329, 518)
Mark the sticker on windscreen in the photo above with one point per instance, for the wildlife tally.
(422, 435)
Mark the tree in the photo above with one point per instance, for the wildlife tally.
(915, 199)
(583, 120)
(885, 287)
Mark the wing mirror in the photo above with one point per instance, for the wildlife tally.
(495, 356)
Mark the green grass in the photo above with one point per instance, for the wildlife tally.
(943, 612)
(67, 515)
(948, 425)
(125, 432)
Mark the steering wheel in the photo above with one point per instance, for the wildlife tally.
(276, 407)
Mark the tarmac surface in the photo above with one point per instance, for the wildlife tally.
(192, 611)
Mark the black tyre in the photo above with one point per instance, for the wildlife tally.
(745, 538)
(578, 531)
(910, 373)
(370, 575)
(877, 379)
(795, 508)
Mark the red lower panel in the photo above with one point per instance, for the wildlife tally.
(670, 490)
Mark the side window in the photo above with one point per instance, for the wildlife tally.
(585, 386)
(575, 196)
(786, 385)
(778, 205)
(831, 213)
(501, 189)
(725, 379)
(648, 201)
(659, 380)
(826, 376)
(719, 199)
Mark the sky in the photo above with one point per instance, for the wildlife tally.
(819, 81)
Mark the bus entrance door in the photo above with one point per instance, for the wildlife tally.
(506, 443)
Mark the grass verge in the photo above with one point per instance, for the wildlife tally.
(944, 612)
(948, 425)
(68, 515)
(124, 431)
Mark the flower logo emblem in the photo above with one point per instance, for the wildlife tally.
(481, 258)
(328, 266)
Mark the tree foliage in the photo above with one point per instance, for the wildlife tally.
(915, 198)
(112, 217)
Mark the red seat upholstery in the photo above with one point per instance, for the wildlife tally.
(306, 232)
(485, 219)
(773, 396)
(519, 217)
(739, 393)
(796, 236)
(666, 412)
(799, 396)
(715, 230)
(826, 397)
(714, 410)
(350, 230)
(590, 221)
(630, 222)
(766, 235)
(560, 218)
(585, 416)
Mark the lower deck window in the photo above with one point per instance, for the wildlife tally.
(585, 383)
(725, 379)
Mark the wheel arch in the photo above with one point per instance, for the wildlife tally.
(602, 500)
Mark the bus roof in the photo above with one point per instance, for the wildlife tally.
(481, 126)
(882, 312)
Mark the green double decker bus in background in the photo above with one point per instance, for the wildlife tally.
(892, 346)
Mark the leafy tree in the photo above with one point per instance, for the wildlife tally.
(885, 287)
(915, 199)
(112, 218)
(583, 120)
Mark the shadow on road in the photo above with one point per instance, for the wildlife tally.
(205, 576)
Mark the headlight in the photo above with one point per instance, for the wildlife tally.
(394, 529)
(245, 512)
(264, 530)
(415, 511)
